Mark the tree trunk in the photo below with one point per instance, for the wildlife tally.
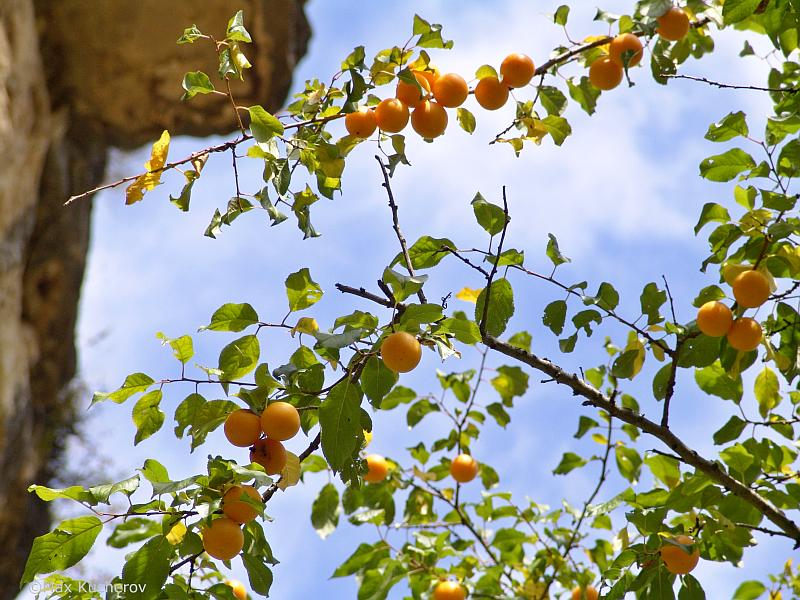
(76, 78)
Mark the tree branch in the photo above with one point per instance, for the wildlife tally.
(731, 86)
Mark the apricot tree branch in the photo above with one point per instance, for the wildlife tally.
(396, 224)
(596, 398)
(493, 272)
(730, 86)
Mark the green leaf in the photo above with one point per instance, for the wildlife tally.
(147, 569)
(425, 253)
(707, 294)
(726, 166)
(749, 590)
(664, 468)
(196, 82)
(561, 15)
(734, 11)
(738, 458)
(569, 461)
(714, 380)
(691, 589)
(263, 125)
(465, 119)
(712, 212)
(730, 431)
(403, 285)
(134, 384)
(239, 357)
(147, 416)
(553, 252)
(365, 556)
(767, 390)
(731, 126)
(552, 99)
(501, 307)
(558, 128)
(629, 463)
(376, 380)
(340, 424)
(584, 425)
(301, 290)
(190, 34)
(584, 93)
(325, 511)
(489, 216)
(62, 548)
(182, 347)
(464, 330)
(607, 297)
(651, 301)
(510, 382)
(236, 31)
(498, 412)
(135, 529)
(419, 410)
(232, 317)
(154, 471)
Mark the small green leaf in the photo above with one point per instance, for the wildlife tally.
(236, 31)
(553, 252)
(376, 380)
(561, 15)
(730, 431)
(147, 416)
(712, 212)
(134, 384)
(232, 317)
(734, 11)
(465, 119)
(714, 380)
(196, 82)
(731, 126)
(501, 307)
(62, 548)
(489, 216)
(239, 357)
(726, 166)
(749, 590)
(301, 290)
(569, 461)
(325, 511)
(767, 390)
(263, 125)
(340, 424)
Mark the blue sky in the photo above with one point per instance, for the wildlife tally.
(621, 195)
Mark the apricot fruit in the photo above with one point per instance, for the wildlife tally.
(449, 590)
(450, 90)
(378, 468)
(429, 119)
(401, 352)
(751, 288)
(391, 115)
(280, 421)
(626, 47)
(605, 74)
(235, 509)
(673, 25)
(242, 428)
(490, 93)
(464, 468)
(361, 123)
(714, 319)
(237, 587)
(409, 94)
(223, 538)
(270, 454)
(745, 334)
(587, 593)
(676, 559)
(517, 70)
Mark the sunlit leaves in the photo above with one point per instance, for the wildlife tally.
(569, 462)
(554, 253)
(147, 416)
(325, 511)
(500, 308)
(233, 317)
(339, 420)
(263, 125)
(301, 290)
(767, 391)
(726, 166)
(196, 82)
(62, 548)
(731, 126)
(239, 357)
(734, 11)
(714, 380)
(489, 216)
(135, 383)
(158, 158)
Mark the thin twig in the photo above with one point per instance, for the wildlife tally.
(729, 85)
(396, 225)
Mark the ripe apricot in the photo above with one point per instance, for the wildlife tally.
(517, 70)
(673, 25)
(714, 318)
(242, 428)
(361, 123)
(626, 47)
(676, 559)
(223, 539)
(391, 115)
(450, 90)
(588, 593)
(237, 587)
(464, 468)
(490, 93)
(408, 93)
(237, 510)
(270, 454)
(432, 75)
(449, 590)
(429, 119)
(751, 288)
(745, 334)
(605, 74)
(401, 352)
(378, 468)
(280, 421)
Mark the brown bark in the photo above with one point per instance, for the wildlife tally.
(76, 78)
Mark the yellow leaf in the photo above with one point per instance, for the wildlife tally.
(468, 295)
(534, 590)
(146, 182)
(176, 534)
(367, 438)
(536, 131)
(305, 325)
(291, 472)
(634, 343)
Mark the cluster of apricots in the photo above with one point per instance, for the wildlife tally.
(280, 421)
(424, 102)
(751, 288)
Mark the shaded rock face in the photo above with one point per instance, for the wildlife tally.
(76, 78)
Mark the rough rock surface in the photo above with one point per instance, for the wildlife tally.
(78, 77)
